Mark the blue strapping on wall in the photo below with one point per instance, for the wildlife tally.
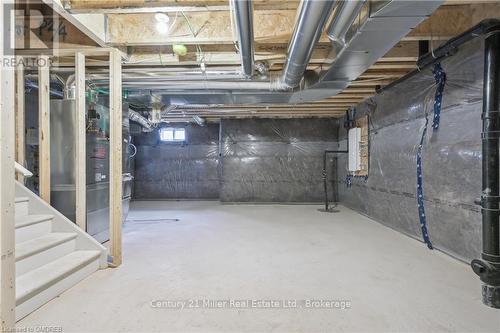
(440, 78)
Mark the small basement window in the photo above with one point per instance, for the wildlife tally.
(170, 134)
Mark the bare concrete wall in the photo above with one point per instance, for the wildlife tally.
(451, 157)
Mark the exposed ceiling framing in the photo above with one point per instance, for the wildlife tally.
(206, 29)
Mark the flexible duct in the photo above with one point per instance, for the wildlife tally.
(310, 23)
(243, 11)
(135, 116)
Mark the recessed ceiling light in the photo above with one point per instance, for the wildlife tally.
(162, 17)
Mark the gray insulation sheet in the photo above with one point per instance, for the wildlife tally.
(276, 160)
(261, 160)
(451, 156)
(178, 171)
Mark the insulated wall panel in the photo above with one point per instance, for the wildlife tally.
(276, 160)
(178, 170)
(451, 156)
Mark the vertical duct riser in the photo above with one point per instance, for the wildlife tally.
(244, 25)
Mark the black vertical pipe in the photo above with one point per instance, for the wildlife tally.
(325, 183)
(488, 267)
(491, 128)
(325, 178)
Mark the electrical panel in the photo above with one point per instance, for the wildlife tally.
(354, 163)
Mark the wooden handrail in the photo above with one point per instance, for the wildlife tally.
(22, 170)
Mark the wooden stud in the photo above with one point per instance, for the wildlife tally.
(81, 170)
(20, 118)
(44, 127)
(7, 191)
(363, 124)
(115, 190)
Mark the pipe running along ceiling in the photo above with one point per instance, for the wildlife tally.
(361, 32)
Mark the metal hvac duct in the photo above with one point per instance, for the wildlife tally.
(376, 31)
(243, 12)
(345, 14)
(136, 117)
(308, 28)
(312, 18)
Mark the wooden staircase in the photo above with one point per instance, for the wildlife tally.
(52, 253)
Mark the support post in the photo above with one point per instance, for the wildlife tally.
(20, 116)
(44, 127)
(115, 193)
(488, 267)
(7, 188)
(81, 170)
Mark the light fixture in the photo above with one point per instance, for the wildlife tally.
(162, 27)
(162, 17)
(162, 20)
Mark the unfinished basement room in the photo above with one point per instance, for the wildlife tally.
(250, 166)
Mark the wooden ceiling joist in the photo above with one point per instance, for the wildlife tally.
(94, 5)
(206, 29)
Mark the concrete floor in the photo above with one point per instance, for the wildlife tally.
(217, 252)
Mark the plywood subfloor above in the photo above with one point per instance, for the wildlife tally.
(210, 38)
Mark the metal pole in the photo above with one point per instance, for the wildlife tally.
(325, 184)
(488, 267)
(325, 178)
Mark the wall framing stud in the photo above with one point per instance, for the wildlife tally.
(81, 169)
(7, 190)
(115, 189)
(44, 127)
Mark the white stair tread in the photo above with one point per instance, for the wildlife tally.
(22, 199)
(37, 245)
(24, 221)
(37, 280)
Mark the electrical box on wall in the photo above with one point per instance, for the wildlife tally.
(354, 149)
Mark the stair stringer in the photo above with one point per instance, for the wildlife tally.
(62, 224)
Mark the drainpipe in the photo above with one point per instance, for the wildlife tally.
(488, 267)
(310, 23)
(243, 11)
